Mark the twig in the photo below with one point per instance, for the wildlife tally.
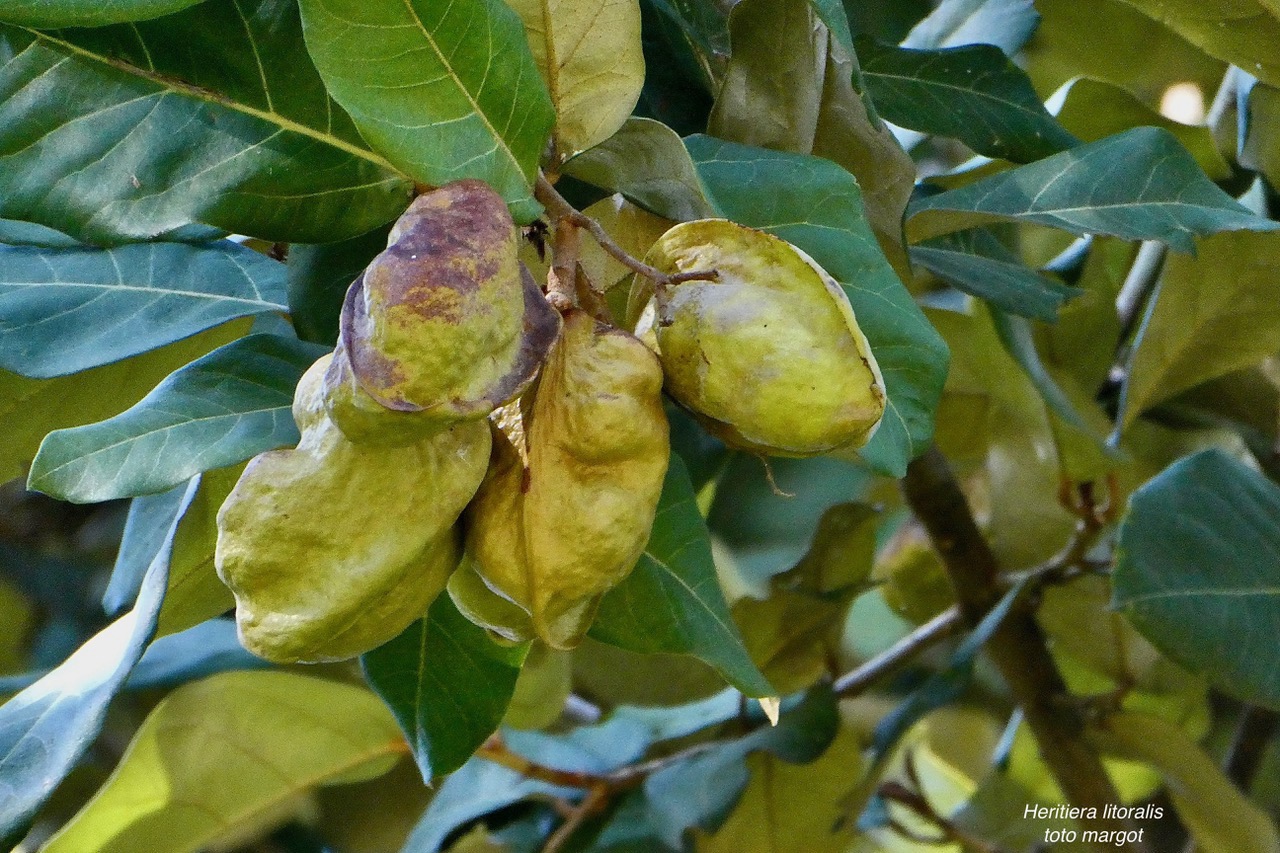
(891, 659)
(560, 210)
(1017, 647)
(594, 801)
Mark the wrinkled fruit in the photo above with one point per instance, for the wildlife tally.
(556, 526)
(769, 356)
(445, 323)
(333, 548)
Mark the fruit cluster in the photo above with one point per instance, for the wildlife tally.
(466, 435)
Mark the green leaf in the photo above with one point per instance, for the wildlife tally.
(832, 14)
(646, 162)
(51, 14)
(230, 756)
(1260, 144)
(1093, 110)
(1196, 571)
(1243, 32)
(977, 263)
(1139, 185)
(214, 115)
(671, 601)
(1211, 314)
(1220, 818)
(447, 683)
(589, 54)
(816, 205)
(444, 90)
(47, 727)
(68, 310)
(30, 408)
(974, 94)
(221, 409)
(318, 277)
(147, 529)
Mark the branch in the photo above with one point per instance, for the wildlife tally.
(1017, 647)
(893, 658)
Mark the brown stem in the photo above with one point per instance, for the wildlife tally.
(893, 658)
(1017, 646)
(562, 282)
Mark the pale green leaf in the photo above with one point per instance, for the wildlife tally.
(1243, 32)
(219, 410)
(589, 55)
(1220, 818)
(222, 758)
(444, 90)
(1140, 185)
(1211, 314)
(646, 162)
(214, 116)
(67, 310)
(1197, 575)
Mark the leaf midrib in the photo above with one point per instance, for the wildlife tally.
(189, 90)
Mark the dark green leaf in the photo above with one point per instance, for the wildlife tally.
(447, 683)
(647, 163)
(816, 205)
(51, 14)
(979, 264)
(700, 791)
(832, 14)
(318, 278)
(66, 310)
(1140, 185)
(703, 23)
(221, 409)
(675, 90)
(443, 90)
(213, 116)
(47, 727)
(672, 601)
(974, 94)
(1197, 570)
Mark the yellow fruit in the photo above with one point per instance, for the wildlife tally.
(333, 548)
(556, 526)
(769, 355)
(445, 323)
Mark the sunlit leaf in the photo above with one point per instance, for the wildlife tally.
(1243, 32)
(231, 753)
(589, 54)
(221, 409)
(1197, 572)
(213, 116)
(1140, 185)
(443, 90)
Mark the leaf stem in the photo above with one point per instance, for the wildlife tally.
(937, 629)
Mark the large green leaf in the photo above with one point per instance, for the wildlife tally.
(974, 94)
(1243, 32)
(816, 205)
(1198, 571)
(30, 408)
(646, 162)
(219, 410)
(231, 753)
(214, 115)
(443, 90)
(979, 264)
(1211, 314)
(447, 683)
(672, 601)
(67, 310)
(318, 277)
(50, 14)
(1140, 185)
(47, 727)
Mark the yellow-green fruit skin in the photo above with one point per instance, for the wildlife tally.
(554, 537)
(768, 355)
(445, 322)
(334, 548)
